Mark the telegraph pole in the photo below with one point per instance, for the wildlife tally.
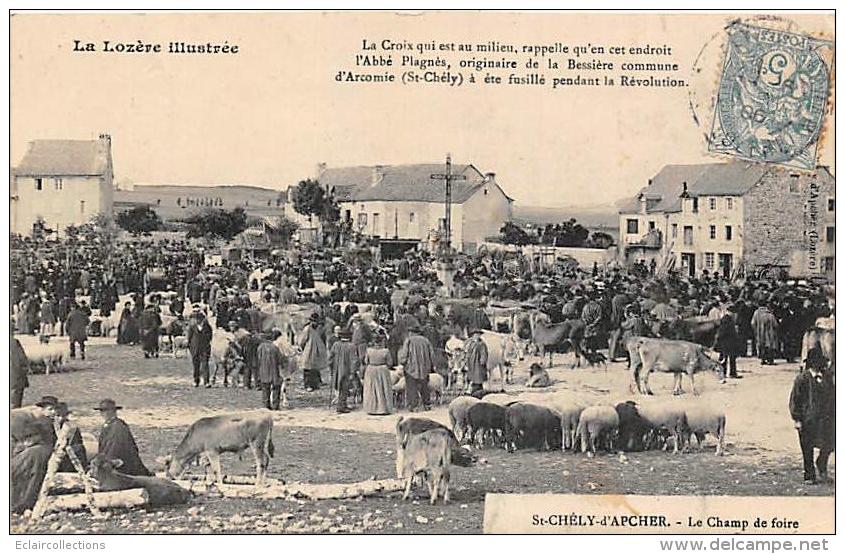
(448, 178)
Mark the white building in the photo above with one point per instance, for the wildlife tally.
(61, 183)
(726, 216)
(404, 203)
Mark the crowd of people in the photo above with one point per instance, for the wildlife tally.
(58, 287)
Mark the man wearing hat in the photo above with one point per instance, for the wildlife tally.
(32, 438)
(74, 442)
(417, 359)
(116, 440)
(344, 360)
(812, 405)
(476, 360)
(314, 352)
(199, 345)
(77, 330)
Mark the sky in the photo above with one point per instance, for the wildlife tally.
(269, 114)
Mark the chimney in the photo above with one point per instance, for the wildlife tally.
(378, 173)
(490, 177)
(685, 187)
(321, 167)
(650, 181)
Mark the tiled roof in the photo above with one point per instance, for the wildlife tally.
(663, 194)
(65, 157)
(412, 183)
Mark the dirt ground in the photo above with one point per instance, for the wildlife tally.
(316, 445)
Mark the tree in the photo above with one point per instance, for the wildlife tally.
(568, 233)
(217, 223)
(139, 220)
(599, 239)
(511, 233)
(309, 198)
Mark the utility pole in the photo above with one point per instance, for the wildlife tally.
(448, 178)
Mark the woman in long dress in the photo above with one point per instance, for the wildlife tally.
(378, 389)
(127, 329)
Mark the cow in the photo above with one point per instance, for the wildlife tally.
(548, 336)
(822, 338)
(212, 436)
(226, 353)
(428, 453)
(529, 425)
(406, 427)
(669, 356)
(160, 492)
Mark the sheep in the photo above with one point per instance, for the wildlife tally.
(436, 385)
(633, 428)
(487, 418)
(668, 418)
(597, 424)
(706, 419)
(458, 409)
(570, 413)
(47, 353)
(528, 425)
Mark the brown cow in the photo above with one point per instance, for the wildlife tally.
(212, 436)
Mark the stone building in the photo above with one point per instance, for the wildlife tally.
(735, 218)
(59, 183)
(403, 202)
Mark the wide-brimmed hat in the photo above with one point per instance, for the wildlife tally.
(62, 409)
(107, 404)
(815, 359)
(47, 401)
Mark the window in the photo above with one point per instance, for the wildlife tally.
(38, 184)
(82, 207)
(375, 223)
(688, 235)
(793, 184)
(651, 225)
(633, 226)
(674, 230)
(362, 220)
(411, 217)
(712, 203)
(730, 203)
(695, 205)
(829, 263)
(58, 183)
(712, 232)
(729, 232)
(709, 260)
(831, 204)
(830, 235)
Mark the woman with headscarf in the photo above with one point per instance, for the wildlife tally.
(150, 323)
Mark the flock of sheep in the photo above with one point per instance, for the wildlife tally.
(562, 423)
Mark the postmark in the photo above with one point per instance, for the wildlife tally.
(772, 96)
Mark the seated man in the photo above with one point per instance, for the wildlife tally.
(116, 440)
(32, 441)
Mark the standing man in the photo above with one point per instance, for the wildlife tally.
(812, 405)
(417, 359)
(18, 371)
(116, 440)
(765, 326)
(77, 330)
(476, 352)
(344, 361)
(199, 345)
(270, 363)
(314, 353)
(726, 343)
(150, 323)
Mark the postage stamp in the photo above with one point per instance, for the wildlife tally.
(772, 96)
